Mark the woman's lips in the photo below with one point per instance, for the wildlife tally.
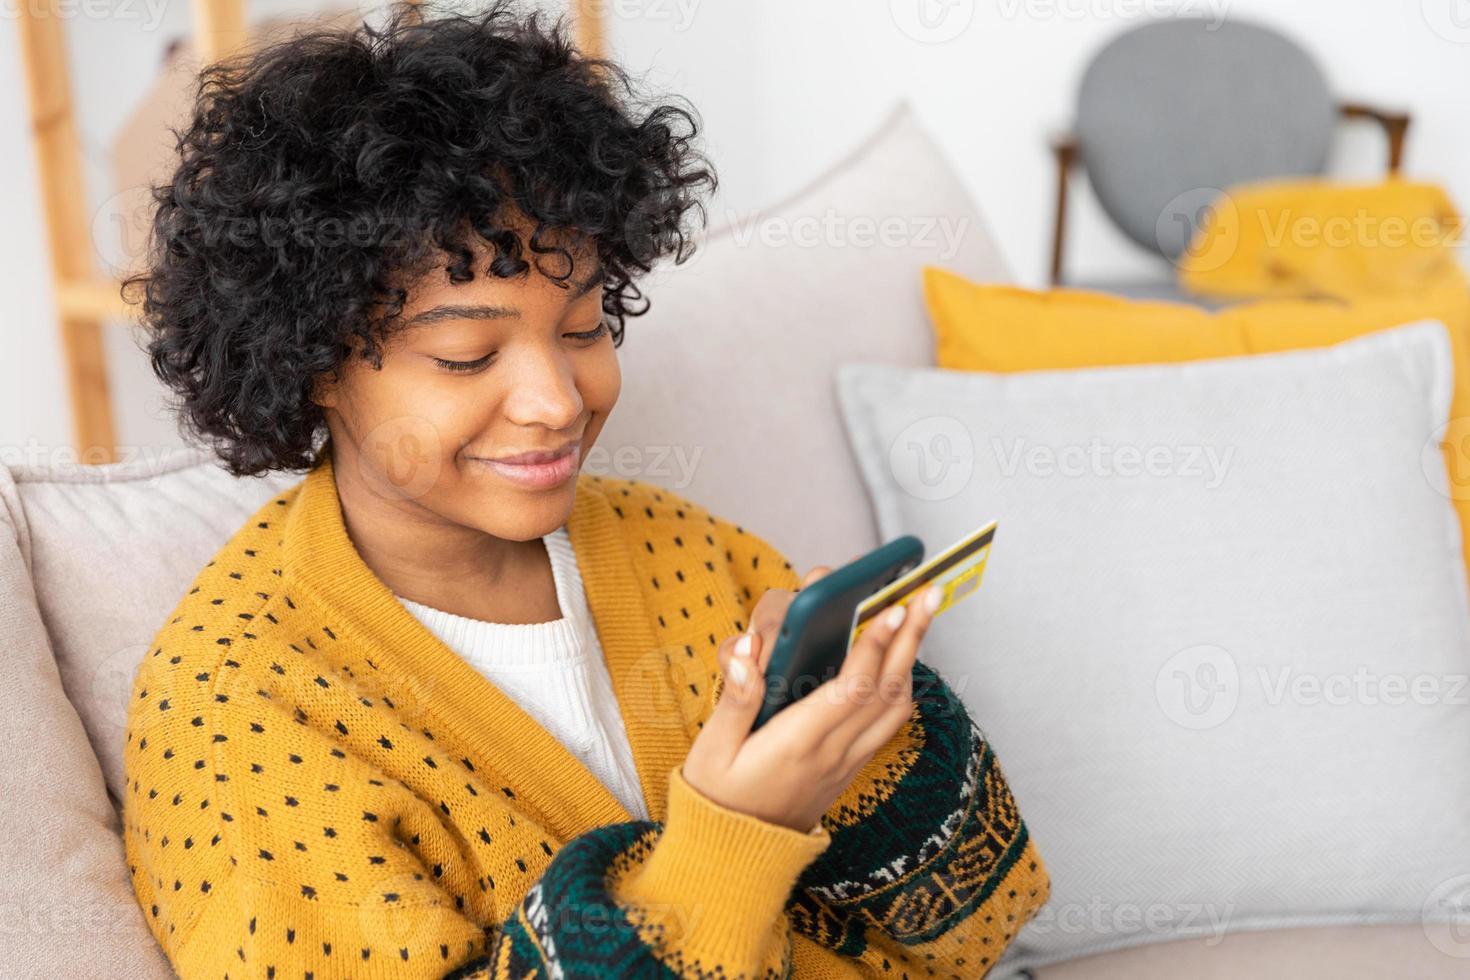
(538, 476)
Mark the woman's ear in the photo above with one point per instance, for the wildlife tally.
(326, 385)
(324, 391)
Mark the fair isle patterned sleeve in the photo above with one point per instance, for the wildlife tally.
(699, 895)
(931, 865)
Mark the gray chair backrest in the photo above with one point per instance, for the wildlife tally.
(1172, 112)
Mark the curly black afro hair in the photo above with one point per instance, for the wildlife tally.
(320, 174)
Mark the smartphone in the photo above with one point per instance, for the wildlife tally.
(814, 636)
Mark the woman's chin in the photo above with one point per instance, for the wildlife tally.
(514, 514)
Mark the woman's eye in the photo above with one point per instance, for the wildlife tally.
(463, 365)
(594, 334)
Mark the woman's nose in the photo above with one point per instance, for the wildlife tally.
(543, 392)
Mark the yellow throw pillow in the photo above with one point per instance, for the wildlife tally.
(1005, 328)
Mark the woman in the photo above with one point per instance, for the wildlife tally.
(447, 706)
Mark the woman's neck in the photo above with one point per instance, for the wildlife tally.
(445, 565)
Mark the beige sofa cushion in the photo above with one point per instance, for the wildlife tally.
(111, 550)
(1341, 953)
(727, 380)
(66, 905)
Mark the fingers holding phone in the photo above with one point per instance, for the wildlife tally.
(740, 698)
(742, 659)
(817, 572)
(765, 621)
(785, 779)
(877, 676)
(786, 754)
(792, 769)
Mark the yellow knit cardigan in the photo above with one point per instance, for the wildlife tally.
(318, 787)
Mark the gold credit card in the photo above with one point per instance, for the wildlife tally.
(957, 569)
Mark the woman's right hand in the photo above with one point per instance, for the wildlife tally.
(794, 768)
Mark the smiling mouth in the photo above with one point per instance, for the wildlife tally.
(533, 456)
(538, 470)
(540, 456)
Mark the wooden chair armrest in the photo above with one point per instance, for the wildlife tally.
(1395, 126)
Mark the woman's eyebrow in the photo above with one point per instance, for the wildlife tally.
(441, 313)
(481, 312)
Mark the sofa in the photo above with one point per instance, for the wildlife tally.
(727, 399)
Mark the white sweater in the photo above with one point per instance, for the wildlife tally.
(555, 671)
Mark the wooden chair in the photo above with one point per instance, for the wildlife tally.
(1174, 111)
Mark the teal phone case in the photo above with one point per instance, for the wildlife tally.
(812, 642)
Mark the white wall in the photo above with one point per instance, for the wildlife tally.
(783, 88)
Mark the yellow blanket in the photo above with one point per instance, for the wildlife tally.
(1322, 238)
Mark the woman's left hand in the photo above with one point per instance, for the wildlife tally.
(865, 705)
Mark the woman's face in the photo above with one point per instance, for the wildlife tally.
(480, 371)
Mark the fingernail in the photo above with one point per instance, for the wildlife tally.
(894, 616)
(933, 599)
(742, 646)
(738, 673)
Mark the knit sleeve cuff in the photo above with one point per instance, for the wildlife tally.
(728, 872)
